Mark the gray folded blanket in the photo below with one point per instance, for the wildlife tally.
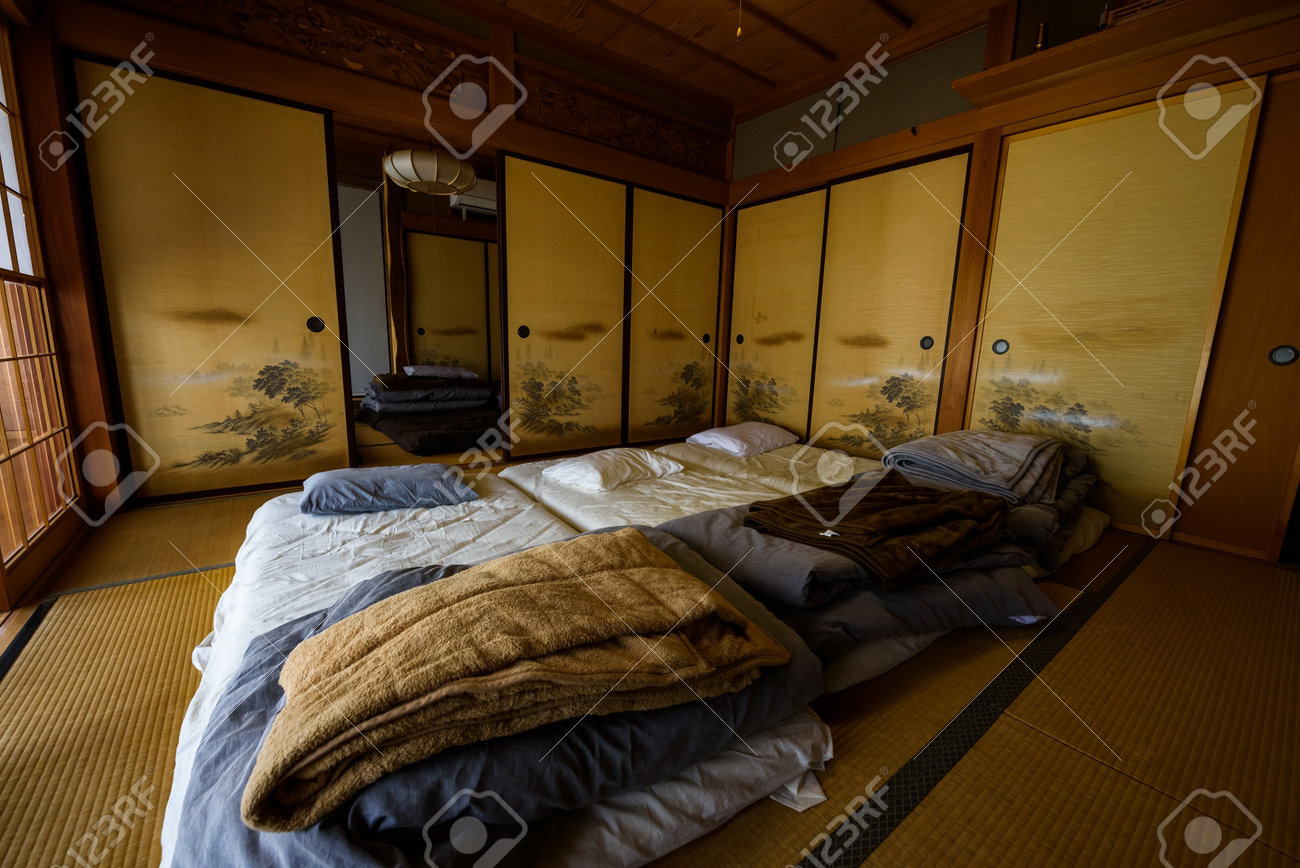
(1018, 467)
(380, 405)
(400, 387)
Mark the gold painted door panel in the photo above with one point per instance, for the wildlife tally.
(1110, 254)
(675, 253)
(774, 310)
(564, 283)
(448, 288)
(203, 199)
(891, 254)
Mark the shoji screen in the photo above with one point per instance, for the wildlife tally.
(203, 201)
(564, 281)
(774, 310)
(447, 284)
(1121, 241)
(676, 245)
(891, 253)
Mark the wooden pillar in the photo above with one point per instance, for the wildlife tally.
(968, 290)
(722, 341)
(399, 337)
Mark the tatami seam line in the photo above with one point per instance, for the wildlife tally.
(1132, 777)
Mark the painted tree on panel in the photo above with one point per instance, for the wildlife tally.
(756, 394)
(1020, 405)
(548, 403)
(690, 401)
(912, 396)
(276, 425)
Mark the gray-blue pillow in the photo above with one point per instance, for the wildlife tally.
(373, 489)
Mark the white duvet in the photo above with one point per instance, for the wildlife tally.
(711, 479)
(645, 501)
(787, 469)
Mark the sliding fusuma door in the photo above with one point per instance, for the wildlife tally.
(774, 310)
(676, 247)
(447, 284)
(1111, 247)
(203, 201)
(891, 255)
(565, 240)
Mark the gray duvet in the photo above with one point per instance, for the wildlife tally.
(406, 818)
(1001, 596)
(826, 598)
(431, 390)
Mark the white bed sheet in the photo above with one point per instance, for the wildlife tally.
(788, 469)
(646, 501)
(292, 564)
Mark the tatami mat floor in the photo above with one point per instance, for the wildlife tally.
(1191, 686)
(147, 542)
(89, 717)
(1185, 684)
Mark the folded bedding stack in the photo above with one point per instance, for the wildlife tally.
(871, 571)
(403, 393)
(1044, 482)
(540, 683)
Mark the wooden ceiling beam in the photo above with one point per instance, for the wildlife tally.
(675, 37)
(797, 35)
(533, 28)
(892, 12)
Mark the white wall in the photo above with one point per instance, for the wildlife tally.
(364, 293)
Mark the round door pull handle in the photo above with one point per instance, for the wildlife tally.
(315, 324)
(1283, 355)
(420, 330)
(1001, 346)
(740, 339)
(706, 337)
(927, 342)
(524, 331)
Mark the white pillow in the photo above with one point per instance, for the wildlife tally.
(602, 471)
(744, 440)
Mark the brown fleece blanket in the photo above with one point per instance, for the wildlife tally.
(885, 524)
(593, 625)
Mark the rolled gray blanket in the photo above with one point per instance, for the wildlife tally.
(1021, 468)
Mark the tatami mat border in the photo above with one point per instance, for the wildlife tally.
(913, 782)
(28, 630)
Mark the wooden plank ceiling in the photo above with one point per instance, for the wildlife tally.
(782, 43)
